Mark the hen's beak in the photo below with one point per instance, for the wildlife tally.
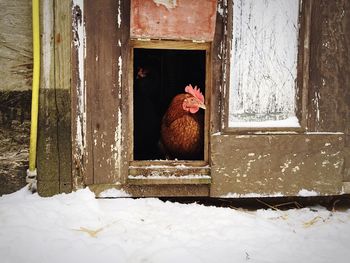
(201, 105)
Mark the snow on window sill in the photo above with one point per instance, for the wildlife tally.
(291, 122)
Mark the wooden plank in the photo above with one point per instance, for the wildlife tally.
(100, 143)
(165, 44)
(201, 190)
(178, 170)
(155, 190)
(175, 180)
(47, 158)
(270, 165)
(63, 85)
(107, 39)
(329, 97)
(168, 163)
(304, 63)
(181, 19)
(54, 136)
(329, 93)
(80, 160)
(101, 85)
(226, 67)
(125, 86)
(219, 67)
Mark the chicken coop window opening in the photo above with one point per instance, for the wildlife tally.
(159, 75)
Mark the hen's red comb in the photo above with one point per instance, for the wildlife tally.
(196, 92)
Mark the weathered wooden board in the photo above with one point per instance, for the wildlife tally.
(270, 165)
(219, 67)
(54, 160)
(199, 190)
(329, 90)
(16, 58)
(173, 19)
(101, 34)
(101, 86)
(168, 190)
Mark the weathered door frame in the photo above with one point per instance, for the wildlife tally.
(142, 172)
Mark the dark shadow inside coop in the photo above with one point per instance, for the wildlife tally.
(159, 75)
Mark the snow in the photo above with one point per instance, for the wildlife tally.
(304, 192)
(109, 193)
(250, 195)
(289, 122)
(77, 227)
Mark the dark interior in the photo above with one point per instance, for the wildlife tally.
(166, 74)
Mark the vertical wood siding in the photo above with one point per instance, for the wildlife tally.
(100, 88)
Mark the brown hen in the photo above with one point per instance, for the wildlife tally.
(182, 126)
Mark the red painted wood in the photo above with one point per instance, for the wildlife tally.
(173, 19)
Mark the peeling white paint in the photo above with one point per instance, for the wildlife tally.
(117, 147)
(317, 106)
(338, 164)
(169, 4)
(295, 169)
(335, 154)
(274, 132)
(46, 42)
(324, 163)
(264, 63)
(120, 64)
(285, 165)
(324, 133)
(80, 44)
(220, 10)
(327, 144)
(119, 17)
(244, 136)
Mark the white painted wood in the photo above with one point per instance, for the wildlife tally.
(264, 63)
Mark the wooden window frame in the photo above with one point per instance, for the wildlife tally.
(302, 79)
(170, 167)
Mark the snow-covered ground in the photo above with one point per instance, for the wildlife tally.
(77, 227)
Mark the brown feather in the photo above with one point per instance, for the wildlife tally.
(182, 131)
